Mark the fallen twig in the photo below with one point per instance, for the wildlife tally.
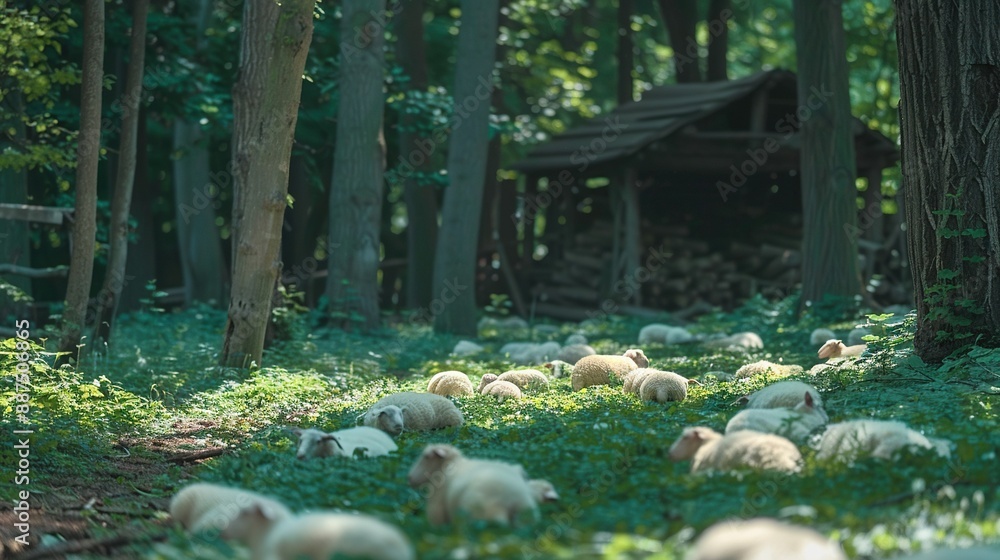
(197, 455)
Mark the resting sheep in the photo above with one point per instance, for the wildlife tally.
(323, 535)
(525, 378)
(783, 394)
(466, 348)
(795, 424)
(836, 349)
(819, 336)
(202, 507)
(655, 385)
(574, 353)
(748, 340)
(528, 353)
(412, 411)
(882, 439)
(450, 384)
(601, 369)
(710, 450)
(763, 539)
(479, 489)
(664, 334)
(502, 390)
(343, 443)
(764, 367)
(574, 339)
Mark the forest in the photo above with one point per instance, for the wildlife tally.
(400, 279)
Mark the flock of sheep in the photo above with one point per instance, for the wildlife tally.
(765, 435)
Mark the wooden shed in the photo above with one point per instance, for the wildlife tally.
(688, 196)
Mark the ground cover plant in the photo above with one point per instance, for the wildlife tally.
(114, 437)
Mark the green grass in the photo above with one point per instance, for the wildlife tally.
(621, 497)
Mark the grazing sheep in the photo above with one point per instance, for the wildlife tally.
(664, 334)
(500, 389)
(412, 411)
(525, 378)
(343, 443)
(450, 384)
(601, 370)
(574, 353)
(633, 380)
(543, 491)
(747, 340)
(785, 394)
(710, 450)
(480, 489)
(765, 367)
(466, 348)
(559, 368)
(574, 339)
(202, 507)
(847, 441)
(836, 349)
(663, 386)
(763, 539)
(819, 336)
(323, 535)
(856, 336)
(795, 424)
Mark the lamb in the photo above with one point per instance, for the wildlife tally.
(882, 439)
(450, 384)
(760, 539)
(600, 370)
(466, 348)
(574, 353)
(202, 507)
(480, 489)
(748, 340)
(710, 450)
(784, 394)
(502, 390)
(525, 378)
(323, 535)
(575, 338)
(664, 334)
(836, 349)
(655, 385)
(795, 424)
(412, 411)
(764, 367)
(559, 368)
(543, 491)
(343, 443)
(819, 336)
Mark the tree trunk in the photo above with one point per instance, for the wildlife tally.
(14, 234)
(681, 18)
(719, 14)
(195, 193)
(358, 170)
(88, 153)
(949, 57)
(829, 196)
(114, 277)
(416, 151)
(454, 270)
(626, 56)
(274, 44)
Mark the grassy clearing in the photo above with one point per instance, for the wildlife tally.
(621, 497)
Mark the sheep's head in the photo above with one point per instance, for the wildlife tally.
(486, 380)
(810, 406)
(389, 419)
(316, 443)
(543, 491)
(433, 461)
(251, 522)
(831, 349)
(637, 356)
(690, 441)
(559, 368)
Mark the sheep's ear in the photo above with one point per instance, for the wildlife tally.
(695, 381)
(809, 399)
(695, 434)
(381, 414)
(439, 451)
(333, 438)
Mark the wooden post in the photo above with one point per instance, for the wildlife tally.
(631, 235)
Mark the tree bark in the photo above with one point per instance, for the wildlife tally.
(949, 56)
(829, 194)
(88, 153)
(358, 170)
(719, 14)
(416, 151)
(274, 44)
(681, 19)
(14, 234)
(121, 204)
(198, 240)
(626, 55)
(454, 271)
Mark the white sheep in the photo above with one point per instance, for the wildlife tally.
(748, 340)
(527, 353)
(664, 334)
(343, 443)
(710, 450)
(633, 380)
(525, 378)
(502, 390)
(575, 338)
(819, 336)
(479, 489)
(574, 353)
(203, 507)
(450, 384)
(322, 535)
(764, 367)
(837, 349)
(543, 491)
(763, 539)
(466, 348)
(663, 386)
(601, 370)
(784, 394)
(846, 441)
(412, 411)
(795, 424)
(559, 368)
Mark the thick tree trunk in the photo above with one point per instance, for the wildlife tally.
(949, 57)
(681, 18)
(114, 276)
(195, 193)
(274, 44)
(14, 240)
(88, 152)
(719, 14)
(416, 151)
(358, 170)
(454, 271)
(829, 195)
(626, 55)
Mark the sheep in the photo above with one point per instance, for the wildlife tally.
(450, 384)
(543, 491)
(412, 411)
(784, 394)
(574, 353)
(559, 368)
(765, 367)
(502, 390)
(659, 386)
(480, 489)
(633, 380)
(795, 424)
(836, 349)
(882, 439)
(664, 334)
(466, 348)
(819, 336)
(710, 450)
(747, 340)
(323, 535)
(526, 353)
(343, 443)
(760, 539)
(525, 378)
(574, 339)
(856, 336)
(601, 370)
(202, 507)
